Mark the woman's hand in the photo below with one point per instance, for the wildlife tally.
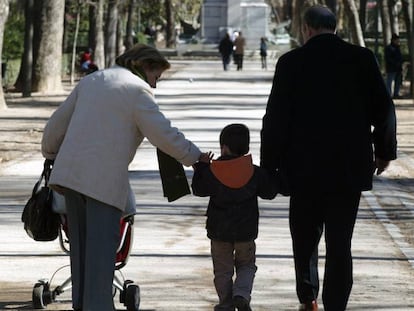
(206, 157)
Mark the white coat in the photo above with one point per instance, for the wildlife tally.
(95, 132)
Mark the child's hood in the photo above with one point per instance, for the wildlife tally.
(233, 173)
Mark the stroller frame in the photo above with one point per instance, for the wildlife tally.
(129, 293)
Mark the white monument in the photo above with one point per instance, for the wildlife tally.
(251, 17)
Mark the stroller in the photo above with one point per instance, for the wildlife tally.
(129, 293)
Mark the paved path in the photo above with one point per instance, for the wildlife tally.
(170, 258)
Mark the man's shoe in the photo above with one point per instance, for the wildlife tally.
(241, 303)
(309, 306)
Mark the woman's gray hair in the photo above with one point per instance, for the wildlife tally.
(141, 54)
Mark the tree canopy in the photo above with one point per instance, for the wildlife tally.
(110, 26)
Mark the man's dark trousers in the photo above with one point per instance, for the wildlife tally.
(309, 215)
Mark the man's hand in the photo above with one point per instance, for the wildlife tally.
(380, 165)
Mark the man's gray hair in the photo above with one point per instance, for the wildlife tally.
(320, 17)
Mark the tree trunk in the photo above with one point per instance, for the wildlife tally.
(407, 7)
(297, 8)
(75, 43)
(385, 20)
(411, 49)
(275, 13)
(129, 39)
(170, 29)
(363, 14)
(4, 12)
(96, 32)
(288, 10)
(393, 11)
(120, 46)
(376, 44)
(23, 82)
(111, 31)
(37, 22)
(340, 20)
(357, 37)
(27, 61)
(48, 64)
(333, 5)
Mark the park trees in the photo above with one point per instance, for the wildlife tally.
(362, 22)
(48, 36)
(4, 11)
(170, 29)
(355, 28)
(111, 46)
(408, 14)
(96, 31)
(41, 60)
(109, 26)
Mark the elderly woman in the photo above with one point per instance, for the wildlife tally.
(92, 137)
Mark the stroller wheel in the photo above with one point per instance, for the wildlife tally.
(38, 295)
(132, 298)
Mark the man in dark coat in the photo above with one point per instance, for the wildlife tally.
(226, 49)
(325, 98)
(393, 65)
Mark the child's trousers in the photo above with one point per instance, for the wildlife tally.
(227, 258)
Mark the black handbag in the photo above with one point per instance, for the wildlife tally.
(173, 178)
(40, 222)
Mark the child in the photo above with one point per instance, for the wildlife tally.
(233, 184)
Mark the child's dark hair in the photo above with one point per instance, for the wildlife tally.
(236, 137)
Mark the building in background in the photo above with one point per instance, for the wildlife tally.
(252, 17)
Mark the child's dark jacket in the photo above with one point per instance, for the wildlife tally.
(233, 185)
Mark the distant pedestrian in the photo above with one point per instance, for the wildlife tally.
(234, 35)
(86, 62)
(239, 44)
(393, 66)
(226, 50)
(263, 52)
(233, 184)
(329, 124)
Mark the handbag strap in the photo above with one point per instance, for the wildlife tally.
(47, 170)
